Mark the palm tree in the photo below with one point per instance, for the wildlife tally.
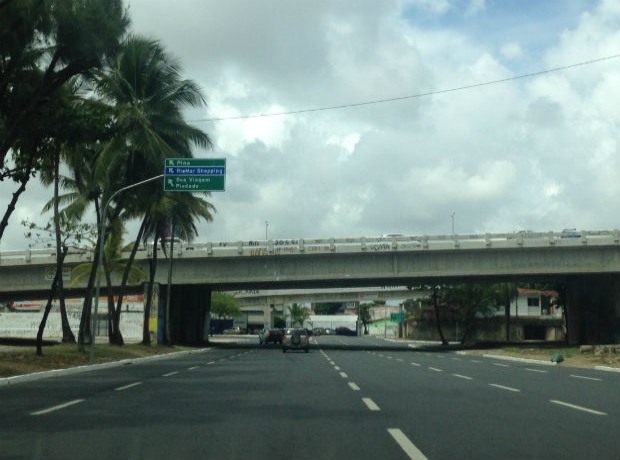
(298, 314)
(173, 209)
(144, 85)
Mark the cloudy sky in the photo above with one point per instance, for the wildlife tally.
(539, 153)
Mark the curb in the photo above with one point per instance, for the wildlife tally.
(522, 360)
(6, 381)
(547, 363)
(607, 368)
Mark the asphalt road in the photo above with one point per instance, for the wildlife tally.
(334, 402)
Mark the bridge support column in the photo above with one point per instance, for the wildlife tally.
(189, 314)
(593, 309)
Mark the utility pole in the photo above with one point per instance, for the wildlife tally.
(452, 216)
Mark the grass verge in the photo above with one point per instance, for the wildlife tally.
(23, 360)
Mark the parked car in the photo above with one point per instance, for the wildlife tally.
(296, 339)
(232, 330)
(318, 331)
(346, 331)
(270, 336)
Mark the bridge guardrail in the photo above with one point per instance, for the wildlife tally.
(283, 247)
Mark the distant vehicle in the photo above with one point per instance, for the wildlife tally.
(346, 331)
(318, 331)
(270, 336)
(570, 233)
(296, 339)
(329, 331)
(232, 330)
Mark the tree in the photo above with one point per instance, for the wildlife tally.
(468, 301)
(298, 314)
(326, 308)
(144, 86)
(364, 315)
(224, 305)
(43, 44)
(67, 235)
(437, 292)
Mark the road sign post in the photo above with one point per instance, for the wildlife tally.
(194, 174)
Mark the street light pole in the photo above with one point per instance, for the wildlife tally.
(452, 216)
(101, 242)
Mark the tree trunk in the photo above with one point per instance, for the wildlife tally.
(444, 341)
(85, 333)
(11, 207)
(61, 252)
(146, 336)
(117, 338)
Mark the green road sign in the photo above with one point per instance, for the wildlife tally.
(397, 317)
(194, 174)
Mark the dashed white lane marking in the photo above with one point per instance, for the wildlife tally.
(406, 445)
(435, 369)
(126, 387)
(501, 365)
(170, 374)
(337, 368)
(192, 368)
(354, 387)
(415, 364)
(477, 361)
(576, 407)
(462, 376)
(343, 375)
(586, 378)
(371, 404)
(60, 406)
(535, 370)
(502, 387)
(210, 362)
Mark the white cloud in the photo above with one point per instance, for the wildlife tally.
(540, 153)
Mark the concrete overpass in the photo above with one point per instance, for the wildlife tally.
(587, 262)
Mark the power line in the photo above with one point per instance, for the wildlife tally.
(412, 96)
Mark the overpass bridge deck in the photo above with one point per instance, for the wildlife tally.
(285, 247)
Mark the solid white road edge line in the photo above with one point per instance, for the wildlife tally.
(60, 406)
(406, 445)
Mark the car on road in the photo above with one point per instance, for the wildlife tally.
(232, 330)
(296, 339)
(270, 336)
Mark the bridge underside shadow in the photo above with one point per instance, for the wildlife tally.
(189, 313)
(592, 310)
